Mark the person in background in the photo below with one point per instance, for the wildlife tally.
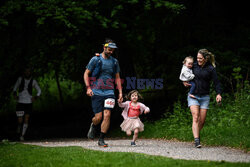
(22, 92)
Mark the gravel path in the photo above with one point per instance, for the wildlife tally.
(176, 150)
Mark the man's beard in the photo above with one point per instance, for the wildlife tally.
(106, 54)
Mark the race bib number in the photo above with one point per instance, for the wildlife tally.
(109, 103)
(19, 113)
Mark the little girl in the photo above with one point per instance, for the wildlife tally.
(187, 74)
(131, 112)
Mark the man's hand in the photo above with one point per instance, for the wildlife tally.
(34, 98)
(15, 95)
(120, 98)
(89, 92)
(186, 84)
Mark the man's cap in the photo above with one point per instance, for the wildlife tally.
(110, 45)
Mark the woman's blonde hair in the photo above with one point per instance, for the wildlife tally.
(128, 96)
(208, 56)
(186, 58)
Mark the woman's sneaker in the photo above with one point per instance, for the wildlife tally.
(102, 143)
(91, 132)
(133, 144)
(197, 143)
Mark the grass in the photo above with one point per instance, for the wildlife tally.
(17, 155)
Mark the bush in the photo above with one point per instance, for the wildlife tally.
(227, 124)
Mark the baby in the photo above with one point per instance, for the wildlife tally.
(187, 74)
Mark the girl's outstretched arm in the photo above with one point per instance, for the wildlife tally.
(146, 111)
(144, 108)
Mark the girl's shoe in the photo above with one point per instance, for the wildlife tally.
(133, 144)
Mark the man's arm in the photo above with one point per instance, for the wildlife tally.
(87, 83)
(38, 89)
(18, 82)
(217, 86)
(119, 86)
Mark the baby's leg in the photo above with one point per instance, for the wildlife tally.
(192, 88)
(136, 132)
(191, 95)
(128, 132)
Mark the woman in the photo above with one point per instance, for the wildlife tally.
(204, 71)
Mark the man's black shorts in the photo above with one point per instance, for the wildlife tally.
(22, 108)
(98, 103)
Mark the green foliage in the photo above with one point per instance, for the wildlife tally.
(231, 119)
(72, 93)
(3, 22)
(61, 35)
(240, 85)
(172, 125)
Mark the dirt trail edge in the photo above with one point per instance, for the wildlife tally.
(176, 150)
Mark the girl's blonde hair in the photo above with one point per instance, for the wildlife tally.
(128, 96)
(208, 56)
(186, 58)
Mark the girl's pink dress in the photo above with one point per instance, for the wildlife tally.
(131, 116)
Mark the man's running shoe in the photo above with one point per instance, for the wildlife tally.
(91, 132)
(102, 143)
(21, 138)
(18, 131)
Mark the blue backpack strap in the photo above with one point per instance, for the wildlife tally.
(114, 66)
(98, 67)
(21, 86)
(30, 86)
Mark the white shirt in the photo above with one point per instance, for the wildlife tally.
(186, 74)
(24, 96)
